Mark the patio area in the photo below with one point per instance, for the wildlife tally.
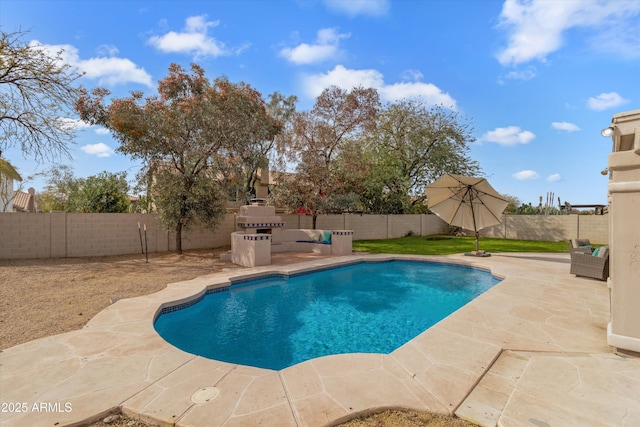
(531, 351)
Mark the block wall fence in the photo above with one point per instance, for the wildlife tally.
(62, 235)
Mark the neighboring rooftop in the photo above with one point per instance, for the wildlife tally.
(25, 202)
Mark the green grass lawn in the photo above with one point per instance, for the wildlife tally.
(442, 245)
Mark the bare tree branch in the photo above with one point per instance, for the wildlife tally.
(36, 91)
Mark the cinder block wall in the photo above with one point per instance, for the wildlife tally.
(198, 237)
(25, 235)
(551, 227)
(367, 227)
(401, 225)
(432, 224)
(593, 227)
(58, 235)
(107, 234)
(329, 222)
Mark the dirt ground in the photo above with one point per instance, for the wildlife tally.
(388, 418)
(44, 297)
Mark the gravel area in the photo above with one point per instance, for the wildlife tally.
(43, 297)
(388, 418)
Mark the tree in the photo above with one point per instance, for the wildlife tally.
(186, 137)
(102, 193)
(315, 142)
(36, 93)
(61, 184)
(514, 204)
(255, 154)
(411, 147)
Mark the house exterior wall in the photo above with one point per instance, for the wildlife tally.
(60, 234)
(623, 331)
(6, 194)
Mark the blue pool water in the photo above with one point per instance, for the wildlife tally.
(362, 308)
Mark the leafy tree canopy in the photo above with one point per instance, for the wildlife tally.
(314, 143)
(411, 147)
(353, 155)
(188, 137)
(102, 193)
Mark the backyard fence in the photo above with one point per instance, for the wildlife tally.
(60, 234)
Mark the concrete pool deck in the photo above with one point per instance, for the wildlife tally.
(531, 351)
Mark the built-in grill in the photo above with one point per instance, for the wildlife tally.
(258, 219)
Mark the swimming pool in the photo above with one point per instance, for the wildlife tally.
(276, 322)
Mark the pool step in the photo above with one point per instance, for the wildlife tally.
(487, 400)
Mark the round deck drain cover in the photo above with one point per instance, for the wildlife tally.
(205, 394)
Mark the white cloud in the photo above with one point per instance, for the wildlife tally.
(412, 75)
(107, 50)
(102, 131)
(100, 149)
(345, 78)
(199, 24)
(553, 178)
(565, 126)
(67, 123)
(107, 70)
(524, 75)
(508, 136)
(113, 71)
(359, 7)
(536, 27)
(193, 40)
(605, 101)
(526, 175)
(428, 92)
(325, 47)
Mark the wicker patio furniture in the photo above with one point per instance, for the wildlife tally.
(595, 266)
(581, 245)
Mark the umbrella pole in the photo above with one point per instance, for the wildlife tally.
(473, 215)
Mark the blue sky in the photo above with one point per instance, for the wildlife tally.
(538, 80)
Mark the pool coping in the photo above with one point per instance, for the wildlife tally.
(483, 362)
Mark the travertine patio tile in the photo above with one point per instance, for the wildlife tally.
(260, 396)
(264, 391)
(358, 382)
(170, 397)
(483, 407)
(493, 317)
(99, 374)
(587, 391)
(447, 365)
(319, 410)
(90, 384)
(509, 366)
(302, 380)
(70, 411)
(35, 354)
(22, 387)
(340, 365)
(486, 401)
(279, 415)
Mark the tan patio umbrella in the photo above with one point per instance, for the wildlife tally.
(467, 202)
